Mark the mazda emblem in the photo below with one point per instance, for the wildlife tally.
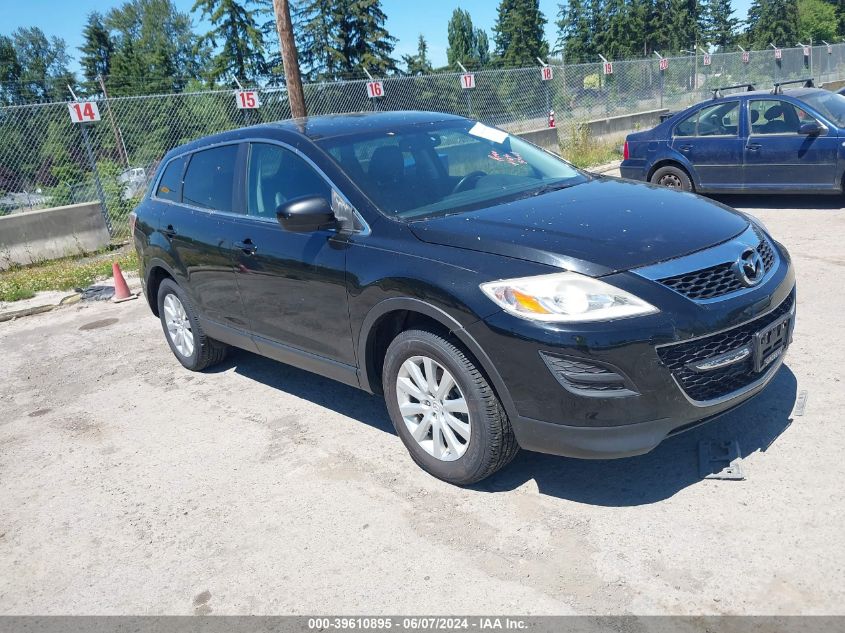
(750, 267)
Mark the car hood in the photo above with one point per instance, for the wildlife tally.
(594, 228)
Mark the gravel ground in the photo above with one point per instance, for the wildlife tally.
(131, 486)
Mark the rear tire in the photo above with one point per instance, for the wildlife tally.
(187, 341)
(672, 177)
(464, 433)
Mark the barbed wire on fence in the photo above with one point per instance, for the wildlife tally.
(44, 160)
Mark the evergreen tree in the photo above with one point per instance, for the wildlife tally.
(772, 22)
(234, 25)
(575, 35)
(97, 51)
(10, 72)
(155, 49)
(519, 33)
(313, 29)
(482, 47)
(418, 64)
(683, 27)
(720, 25)
(359, 39)
(464, 46)
(44, 72)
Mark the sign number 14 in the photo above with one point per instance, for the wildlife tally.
(83, 111)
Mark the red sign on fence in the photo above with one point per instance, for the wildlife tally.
(467, 81)
(778, 53)
(664, 63)
(746, 57)
(608, 68)
(546, 73)
(83, 112)
(375, 89)
(708, 60)
(246, 99)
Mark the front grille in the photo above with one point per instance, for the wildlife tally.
(718, 280)
(714, 384)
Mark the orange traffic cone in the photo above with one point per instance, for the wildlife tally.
(121, 289)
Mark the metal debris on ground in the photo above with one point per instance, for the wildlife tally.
(800, 404)
(719, 460)
(96, 293)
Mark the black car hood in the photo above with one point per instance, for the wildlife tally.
(595, 228)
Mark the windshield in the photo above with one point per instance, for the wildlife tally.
(447, 167)
(828, 104)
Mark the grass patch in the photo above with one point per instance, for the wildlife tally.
(583, 151)
(22, 282)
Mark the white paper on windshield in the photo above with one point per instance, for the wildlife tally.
(491, 134)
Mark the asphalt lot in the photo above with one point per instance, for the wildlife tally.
(131, 486)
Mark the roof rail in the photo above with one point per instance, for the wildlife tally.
(808, 83)
(717, 92)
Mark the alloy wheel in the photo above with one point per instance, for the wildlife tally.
(433, 408)
(178, 325)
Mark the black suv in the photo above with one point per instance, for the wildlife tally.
(497, 296)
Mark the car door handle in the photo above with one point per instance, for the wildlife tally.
(246, 246)
(169, 231)
(753, 147)
(685, 148)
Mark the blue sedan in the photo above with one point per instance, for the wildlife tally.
(757, 141)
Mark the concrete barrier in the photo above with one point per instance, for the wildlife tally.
(833, 85)
(547, 138)
(33, 236)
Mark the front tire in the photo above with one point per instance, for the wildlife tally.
(672, 177)
(187, 341)
(444, 410)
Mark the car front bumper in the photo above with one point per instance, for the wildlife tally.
(654, 396)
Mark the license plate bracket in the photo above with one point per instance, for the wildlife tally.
(771, 342)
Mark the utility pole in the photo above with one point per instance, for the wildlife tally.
(118, 135)
(290, 60)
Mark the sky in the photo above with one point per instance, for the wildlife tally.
(406, 19)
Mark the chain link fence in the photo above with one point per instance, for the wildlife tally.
(46, 160)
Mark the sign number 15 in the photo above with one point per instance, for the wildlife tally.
(246, 99)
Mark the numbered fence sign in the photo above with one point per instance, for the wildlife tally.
(546, 73)
(778, 53)
(664, 63)
(708, 60)
(467, 81)
(608, 68)
(806, 51)
(83, 111)
(746, 57)
(829, 50)
(247, 99)
(375, 89)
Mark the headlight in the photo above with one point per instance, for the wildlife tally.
(565, 298)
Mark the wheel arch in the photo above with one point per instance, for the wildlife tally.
(156, 273)
(390, 317)
(674, 162)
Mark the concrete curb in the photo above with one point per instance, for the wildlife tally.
(603, 169)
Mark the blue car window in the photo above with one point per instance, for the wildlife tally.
(774, 116)
(721, 119)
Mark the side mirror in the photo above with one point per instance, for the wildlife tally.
(810, 129)
(304, 215)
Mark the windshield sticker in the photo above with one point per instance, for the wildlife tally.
(512, 158)
(491, 134)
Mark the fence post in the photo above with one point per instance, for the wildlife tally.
(93, 163)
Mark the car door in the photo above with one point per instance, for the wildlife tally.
(777, 156)
(200, 228)
(293, 284)
(710, 141)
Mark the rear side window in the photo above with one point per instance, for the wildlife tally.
(170, 185)
(719, 120)
(209, 179)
